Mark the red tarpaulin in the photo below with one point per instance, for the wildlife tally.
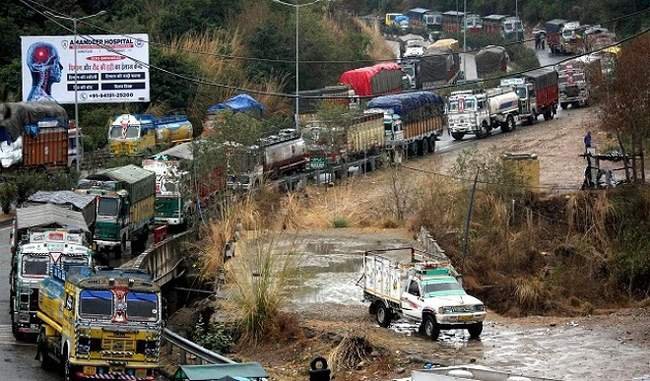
(361, 79)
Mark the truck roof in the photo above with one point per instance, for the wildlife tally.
(23, 113)
(104, 279)
(65, 197)
(404, 103)
(49, 215)
(129, 173)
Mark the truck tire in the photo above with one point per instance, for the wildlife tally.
(475, 330)
(383, 315)
(563, 106)
(458, 135)
(430, 327)
(483, 131)
(509, 125)
(548, 115)
(41, 344)
(67, 368)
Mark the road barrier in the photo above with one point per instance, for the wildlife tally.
(190, 352)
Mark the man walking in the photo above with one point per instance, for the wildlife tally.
(587, 141)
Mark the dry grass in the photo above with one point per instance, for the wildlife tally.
(352, 350)
(378, 49)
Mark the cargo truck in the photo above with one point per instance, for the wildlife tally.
(491, 60)
(578, 79)
(538, 93)
(571, 38)
(513, 29)
(131, 135)
(383, 78)
(172, 190)
(553, 30)
(100, 325)
(125, 206)
(478, 112)
(597, 37)
(424, 290)
(412, 121)
(33, 135)
(43, 236)
(330, 144)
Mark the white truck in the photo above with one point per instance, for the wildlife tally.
(424, 290)
(477, 112)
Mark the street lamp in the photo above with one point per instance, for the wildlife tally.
(297, 8)
(75, 20)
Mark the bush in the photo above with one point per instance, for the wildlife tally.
(340, 222)
(213, 336)
(7, 196)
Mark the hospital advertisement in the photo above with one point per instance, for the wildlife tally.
(110, 68)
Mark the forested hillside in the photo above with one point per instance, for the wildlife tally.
(188, 38)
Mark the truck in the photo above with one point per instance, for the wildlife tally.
(100, 324)
(578, 79)
(173, 196)
(33, 135)
(597, 37)
(440, 65)
(553, 30)
(478, 112)
(513, 29)
(125, 206)
(572, 38)
(383, 78)
(493, 25)
(134, 134)
(283, 153)
(42, 236)
(474, 23)
(424, 290)
(538, 93)
(491, 60)
(412, 121)
(332, 144)
(451, 22)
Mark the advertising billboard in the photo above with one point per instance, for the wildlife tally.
(110, 68)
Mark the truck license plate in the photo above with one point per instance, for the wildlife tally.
(117, 370)
(465, 317)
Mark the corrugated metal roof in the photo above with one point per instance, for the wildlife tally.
(129, 173)
(418, 10)
(180, 151)
(220, 371)
(49, 214)
(62, 198)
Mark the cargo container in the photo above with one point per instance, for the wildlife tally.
(34, 135)
(384, 78)
(412, 121)
(125, 208)
(130, 135)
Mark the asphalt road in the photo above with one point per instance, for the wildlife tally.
(16, 358)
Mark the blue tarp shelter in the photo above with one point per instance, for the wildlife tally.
(221, 372)
(238, 103)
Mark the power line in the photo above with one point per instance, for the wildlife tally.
(294, 96)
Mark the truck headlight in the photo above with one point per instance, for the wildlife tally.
(445, 310)
(479, 307)
(83, 345)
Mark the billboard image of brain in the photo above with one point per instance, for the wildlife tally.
(110, 68)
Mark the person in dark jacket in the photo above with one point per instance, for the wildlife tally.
(587, 141)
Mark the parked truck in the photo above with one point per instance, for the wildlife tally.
(491, 60)
(383, 78)
(538, 93)
(553, 32)
(33, 135)
(423, 290)
(172, 190)
(412, 121)
(439, 65)
(100, 325)
(572, 38)
(597, 37)
(478, 112)
(125, 206)
(132, 134)
(578, 79)
(43, 236)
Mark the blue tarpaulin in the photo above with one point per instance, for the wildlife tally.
(238, 103)
(402, 104)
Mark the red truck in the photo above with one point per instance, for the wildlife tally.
(553, 33)
(538, 93)
(383, 78)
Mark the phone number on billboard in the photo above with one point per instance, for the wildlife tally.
(111, 95)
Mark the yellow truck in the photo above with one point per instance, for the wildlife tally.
(100, 325)
(130, 134)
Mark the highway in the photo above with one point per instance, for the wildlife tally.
(16, 358)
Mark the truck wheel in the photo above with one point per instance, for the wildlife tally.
(67, 369)
(430, 327)
(509, 125)
(383, 316)
(41, 345)
(563, 106)
(475, 330)
(483, 131)
(548, 115)
(457, 135)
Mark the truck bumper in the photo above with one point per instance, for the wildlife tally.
(94, 371)
(453, 321)
(32, 326)
(169, 221)
(463, 129)
(100, 244)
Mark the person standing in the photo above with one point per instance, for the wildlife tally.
(587, 141)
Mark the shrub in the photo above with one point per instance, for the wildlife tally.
(340, 222)
(7, 196)
(213, 336)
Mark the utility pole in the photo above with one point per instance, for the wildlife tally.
(468, 218)
(75, 21)
(297, 66)
(465, 39)
(516, 19)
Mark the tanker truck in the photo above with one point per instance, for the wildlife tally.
(133, 134)
(478, 112)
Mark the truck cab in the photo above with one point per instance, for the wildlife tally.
(37, 251)
(103, 324)
(130, 134)
(434, 297)
(569, 37)
(526, 93)
(112, 219)
(171, 190)
(512, 28)
(468, 113)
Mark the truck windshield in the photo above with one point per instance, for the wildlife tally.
(35, 265)
(432, 288)
(73, 261)
(107, 207)
(117, 132)
(96, 303)
(521, 92)
(142, 306)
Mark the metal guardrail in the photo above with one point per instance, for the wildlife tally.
(186, 346)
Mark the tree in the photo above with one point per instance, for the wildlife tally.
(626, 108)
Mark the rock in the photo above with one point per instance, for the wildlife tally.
(400, 370)
(416, 359)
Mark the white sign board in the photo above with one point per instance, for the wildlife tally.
(110, 68)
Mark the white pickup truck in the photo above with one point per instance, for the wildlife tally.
(424, 291)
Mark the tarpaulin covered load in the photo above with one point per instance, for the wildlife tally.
(75, 201)
(15, 116)
(447, 43)
(49, 215)
(554, 25)
(310, 105)
(545, 77)
(238, 103)
(374, 80)
(410, 106)
(437, 65)
(491, 59)
(139, 182)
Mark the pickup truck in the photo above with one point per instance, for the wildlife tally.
(425, 291)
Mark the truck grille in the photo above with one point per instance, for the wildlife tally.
(462, 309)
(572, 91)
(118, 345)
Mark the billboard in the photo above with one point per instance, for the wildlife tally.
(106, 72)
